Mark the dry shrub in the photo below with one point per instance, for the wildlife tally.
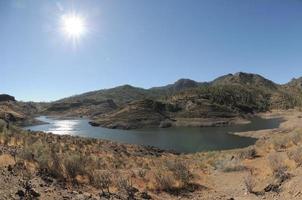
(125, 186)
(250, 183)
(164, 181)
(296, 155)
(278, 167)
(180, 171)
(102, 180)
(280, 142)
(249, 153)
(56, 167)
(296, 137)
(229, 165)
(142, 173)
(173, 175)
(74, 165)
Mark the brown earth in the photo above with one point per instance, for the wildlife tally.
(65, 167)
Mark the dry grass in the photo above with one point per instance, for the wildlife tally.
(164, 181)
(296, 155)
(249, 153)
(100, 164)
(109, 167)
(229, 164)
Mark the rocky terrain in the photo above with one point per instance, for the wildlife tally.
(103, 101)
(36, 165)
(20, 113)
(221, 101)
(225, 100)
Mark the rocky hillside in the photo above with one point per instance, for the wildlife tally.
(17, 112)
(180, 85)
(295, 83)
(137, 114)
(103, 101)
(246, 79)
(36, 165)
(227, 96)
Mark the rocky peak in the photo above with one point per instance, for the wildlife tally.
(295, 82)
(184, 83)
(179, 85)
(245, 79)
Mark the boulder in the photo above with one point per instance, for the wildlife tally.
(6, 97)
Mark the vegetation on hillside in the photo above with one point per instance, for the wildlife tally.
(46, 166)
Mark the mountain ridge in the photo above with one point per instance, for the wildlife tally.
(227, 96)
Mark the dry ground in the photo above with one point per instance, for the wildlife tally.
(46, 166)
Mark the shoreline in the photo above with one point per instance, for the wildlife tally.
(219, 174)
(236, 121)
(290, 120)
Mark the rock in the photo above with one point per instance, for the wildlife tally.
(6, 97)
(75, 192)
(10, 168)
(165, 124)
(20, 193)
(145, 195)
(272, 188)
(34, 193)
(87, 195)
(93, 123)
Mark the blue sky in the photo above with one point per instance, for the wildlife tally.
(144, 43)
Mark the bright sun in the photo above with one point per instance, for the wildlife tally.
(73, 25)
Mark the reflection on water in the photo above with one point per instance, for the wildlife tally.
(184, 139)
(63, 127)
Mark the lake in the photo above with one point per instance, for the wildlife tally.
(179, 139)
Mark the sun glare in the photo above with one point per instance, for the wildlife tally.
(73, 26)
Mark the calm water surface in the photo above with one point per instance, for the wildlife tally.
(185, 140)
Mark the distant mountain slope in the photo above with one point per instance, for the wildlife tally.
(179, 85)
(245, 79)
(96, 102)
(127, 93)
(120, 95)
(295, 83)
(227, 96)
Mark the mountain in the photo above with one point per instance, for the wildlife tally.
(179, 85)
(295, 83)
(96, 102)
(104, 101)
(183, 102)
(120, 95)
(245, 79)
